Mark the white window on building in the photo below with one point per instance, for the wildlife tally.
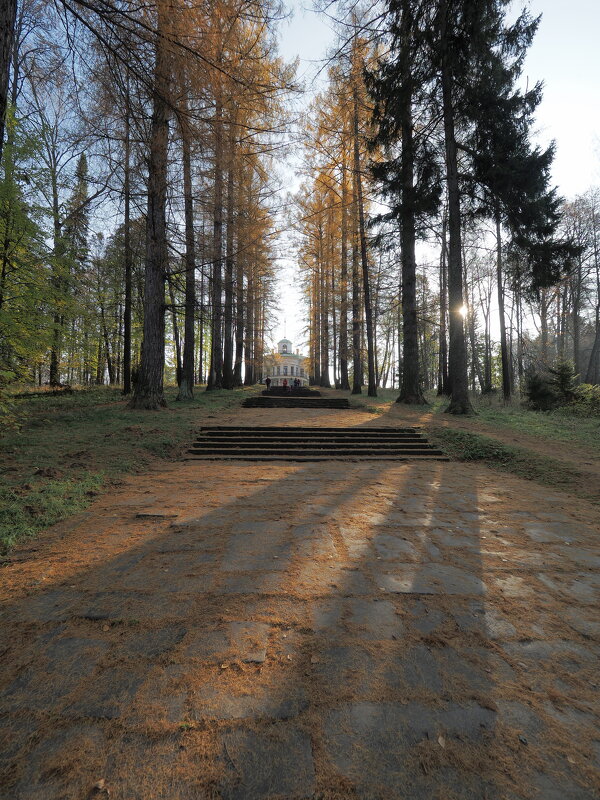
(291, 370)
(285, 370)
(301, 372)
(284, 348)
(279, 370)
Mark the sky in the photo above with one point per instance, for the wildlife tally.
(565, 56)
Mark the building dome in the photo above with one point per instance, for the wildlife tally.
(284, 346)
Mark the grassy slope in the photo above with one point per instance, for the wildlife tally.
(72, 446)
(558, 429)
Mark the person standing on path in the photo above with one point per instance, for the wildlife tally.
(268, 383)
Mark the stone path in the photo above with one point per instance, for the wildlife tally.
(327, 630)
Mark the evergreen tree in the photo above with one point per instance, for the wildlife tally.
(410, 176)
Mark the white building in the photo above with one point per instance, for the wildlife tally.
(285, 365)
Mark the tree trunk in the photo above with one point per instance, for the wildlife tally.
(343, 331)
(372, 385)
(7, 28)
(228, 381)
(176, 336)
(127, 254)
(215, 376)
(443, 382)
(186, 384)
(356, 351)
(506, 370)
(148, 392)
(239, 312)
(457, 357)
(410, 392)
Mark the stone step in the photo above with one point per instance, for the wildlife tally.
(299, 458)
(310, 443)
(295, 402)
(302, 431)
(283, 437)
(306, 451)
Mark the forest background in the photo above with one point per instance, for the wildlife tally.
(144, 200)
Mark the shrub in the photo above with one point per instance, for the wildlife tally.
(557, 387)
(586, 401)
(539, 392)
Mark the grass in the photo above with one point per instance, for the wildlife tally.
(468, 446)
(559, 425)
(70, 447)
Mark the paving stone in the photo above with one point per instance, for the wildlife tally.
(274, 763)
(249, 640)
(457, 538)
(260, 583)
(214, 701)
(484, 619)
(319, 544)
(246, 553)
(63, 665)
(243, 641)
(473, 667)
(123, 563)
(513, 586)
(570, 656)
(121, 606)
(431, 579)
(326, 614)
(580, 556)
(344, 667)
(109, 697)
(153, 643)
(15, 731)
(570, 716)
(415, 668)
(583, 620)
(583, 588)
(55, 605)
(377, 619)
(208, 645)
(171, 572)
(560, 787)
(394, 547)
(424, 618)
(163, 696)
(369, 744)
(51, 770)
(139, 767)
(521, 718)
(548, 532)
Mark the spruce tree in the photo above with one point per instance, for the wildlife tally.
(409, 177)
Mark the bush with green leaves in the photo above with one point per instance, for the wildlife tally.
(586, 402)
(555, 388)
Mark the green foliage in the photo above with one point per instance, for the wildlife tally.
(555, 388)
(539, 392)
(564, 380)
(586, 401)
(8, 416)
(24, 328)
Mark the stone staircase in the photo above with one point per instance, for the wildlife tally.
(295, 401)
(312, 444)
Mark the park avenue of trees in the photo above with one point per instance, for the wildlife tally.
(141, 205)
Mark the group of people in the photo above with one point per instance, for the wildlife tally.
(296, 384)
